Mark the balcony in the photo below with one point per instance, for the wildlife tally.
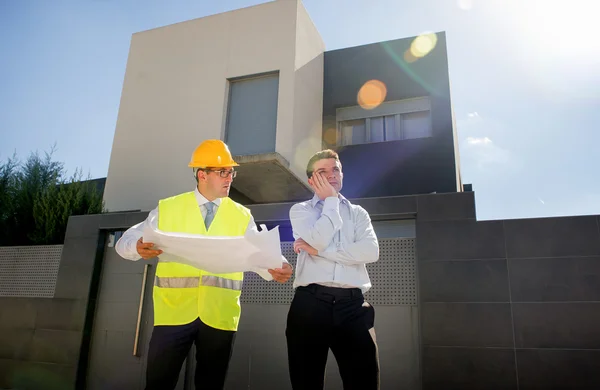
(267, 178)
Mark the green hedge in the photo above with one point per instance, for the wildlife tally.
(37, 198)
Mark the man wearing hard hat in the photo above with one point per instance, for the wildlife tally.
(192, 306)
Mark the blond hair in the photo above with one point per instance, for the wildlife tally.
(322, 155)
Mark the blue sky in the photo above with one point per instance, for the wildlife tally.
(525, 80)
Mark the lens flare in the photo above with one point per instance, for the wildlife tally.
(304, 149)
(371, 94)
(406, 68)
(409, 57)
(330, 136)
(423, 44)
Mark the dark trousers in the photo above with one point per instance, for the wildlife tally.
(170, 345)
(321, 318)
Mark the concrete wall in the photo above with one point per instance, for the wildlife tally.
(112, 364)
(176, 87)
(44, 342)
(47, 343)
(39, 342)
(414, 166)
(260, 360)
(510, 304)
(306, 137)
(503, 304)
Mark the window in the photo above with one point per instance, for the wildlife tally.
(353, 132)
(391, 121)
(416, 125)
(252, 115)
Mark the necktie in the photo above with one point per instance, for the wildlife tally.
(210, 213)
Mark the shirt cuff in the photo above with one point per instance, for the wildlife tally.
(332, 202)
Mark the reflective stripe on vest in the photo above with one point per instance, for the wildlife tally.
(192, 282)
(217, 281)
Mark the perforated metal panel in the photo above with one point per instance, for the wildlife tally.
(29, 271)
(393, 277)
(258, 290)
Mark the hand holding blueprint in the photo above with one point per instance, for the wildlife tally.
(255, 250)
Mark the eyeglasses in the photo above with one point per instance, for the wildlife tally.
(223, 173)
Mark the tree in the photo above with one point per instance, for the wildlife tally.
(7, 195)
(36, 200)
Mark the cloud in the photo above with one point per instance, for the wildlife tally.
(483, 152)
(477, 148)
(478, 141)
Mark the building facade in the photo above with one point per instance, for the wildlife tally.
(260, 79)
(460, 303)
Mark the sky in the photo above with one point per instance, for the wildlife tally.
(525, 84)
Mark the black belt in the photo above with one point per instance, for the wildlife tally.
(335, 292)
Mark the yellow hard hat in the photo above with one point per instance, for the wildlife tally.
(212, 153)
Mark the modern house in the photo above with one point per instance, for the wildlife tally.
(260, 79)
(460, 303)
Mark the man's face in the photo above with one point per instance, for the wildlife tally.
(331, 170)
(212, 183)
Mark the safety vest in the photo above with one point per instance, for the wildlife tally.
(183, 293)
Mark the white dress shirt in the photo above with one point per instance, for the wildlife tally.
(126, 246)
(342, 234)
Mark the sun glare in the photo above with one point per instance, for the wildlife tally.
(560, 28)
(420, 47)
(371, 94)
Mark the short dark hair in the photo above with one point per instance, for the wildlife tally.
(322, 155)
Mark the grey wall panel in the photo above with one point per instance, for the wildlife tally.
(15, 343)
(558, 369)
(535, 282)
(557, 325)
(118, 287)
(268, 359)
(259, 359)
(40, 375)
(555, 279)
(460, 240)
(398, 346)
(112, 363)
(467, 324)
(469, 369)
(40, 340)
(18, 313)
(55, 346)
(435, 207)
(60, 314)
(464, 281)
(552, 237)
(252, 115)
(395, 229)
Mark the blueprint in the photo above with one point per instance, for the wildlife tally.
(254, 251)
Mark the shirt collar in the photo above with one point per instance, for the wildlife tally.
(316, 200)
(202, 200)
